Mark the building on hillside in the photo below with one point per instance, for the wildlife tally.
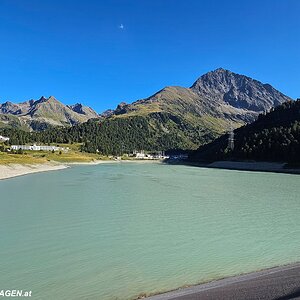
(4, 138)
(35, 147)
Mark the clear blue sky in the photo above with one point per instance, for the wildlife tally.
(78, 52)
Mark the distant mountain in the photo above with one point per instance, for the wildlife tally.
(107, 113)
(220, 94)
(174, 117)
(272, 137)
(215, 102)
(42, 113)
(239, 91)
(84, 110)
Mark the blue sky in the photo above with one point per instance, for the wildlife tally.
(78, 52)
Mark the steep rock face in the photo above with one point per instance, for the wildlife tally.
(10, 108)
(238, 91)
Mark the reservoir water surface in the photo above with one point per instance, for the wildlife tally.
(120, 230)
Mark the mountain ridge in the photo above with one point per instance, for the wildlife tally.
(44, 112)
(173, 117)
(220, 94)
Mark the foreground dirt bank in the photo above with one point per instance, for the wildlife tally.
(276, 283)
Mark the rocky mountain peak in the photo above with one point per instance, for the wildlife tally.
(237, 90)
(220, 78)
(10, 108)
(47, 111)
(78, 107)
(83, 110)
(216, 99)
(107, 113)
(42, 99)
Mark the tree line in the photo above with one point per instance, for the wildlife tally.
(274, 136)
(116, 135)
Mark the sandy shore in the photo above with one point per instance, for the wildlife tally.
(91, 163)
(13, 170)
(275, 283)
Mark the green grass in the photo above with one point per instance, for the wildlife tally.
(140, 110)
(38, 157)
(7, 158)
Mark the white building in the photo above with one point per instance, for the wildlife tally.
(35, 147)
(4, 138)
(140, 155)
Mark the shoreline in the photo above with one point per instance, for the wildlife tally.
(15, 170)
(8, 171)
(281, 282)
(272, 167)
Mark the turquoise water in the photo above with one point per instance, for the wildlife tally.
(115, 231)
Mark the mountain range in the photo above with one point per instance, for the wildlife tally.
(217, 96)
(220, 93)
(185, 117)
(42, 113)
